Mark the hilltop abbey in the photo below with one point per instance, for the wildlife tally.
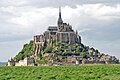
(62, 33)
(59, 45)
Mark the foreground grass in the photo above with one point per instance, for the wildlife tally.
(87, 72)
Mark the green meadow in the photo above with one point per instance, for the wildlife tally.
(83, 72)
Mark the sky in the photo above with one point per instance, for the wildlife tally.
(97, 22)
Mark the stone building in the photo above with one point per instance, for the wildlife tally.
(28, 61)
(11, 62)
(62, 33)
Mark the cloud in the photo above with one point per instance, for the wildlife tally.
(54, 3)
(13, 2)
(88, 19)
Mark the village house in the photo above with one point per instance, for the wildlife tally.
(28, 61)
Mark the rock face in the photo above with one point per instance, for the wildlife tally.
(59, 45)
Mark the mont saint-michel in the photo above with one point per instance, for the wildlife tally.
(59, 45)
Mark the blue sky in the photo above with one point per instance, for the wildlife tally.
(97, 21)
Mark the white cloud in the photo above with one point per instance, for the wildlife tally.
(32, 15)
(13, 2)
(54, 3)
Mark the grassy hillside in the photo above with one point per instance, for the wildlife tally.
(90, 72)
(26, 51)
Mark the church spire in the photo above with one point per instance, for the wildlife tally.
(59, 12)
(60, 21)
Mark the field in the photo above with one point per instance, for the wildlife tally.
(84, 72)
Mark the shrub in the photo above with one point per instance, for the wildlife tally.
(66, 53)
(48, 49)
(84, 54)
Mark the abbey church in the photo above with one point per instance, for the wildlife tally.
(62, 33)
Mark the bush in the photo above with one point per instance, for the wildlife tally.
(42, 61)
(66, 53)
(59, 53)
(54, 42)
(48, 49)
(84, 54)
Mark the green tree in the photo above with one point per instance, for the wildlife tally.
(48, 49)
(96, 51)
(77, 50)
(66, 53)
(84, 54)
(59, 53)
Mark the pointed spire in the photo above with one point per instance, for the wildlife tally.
(59, 12)
(60, 21)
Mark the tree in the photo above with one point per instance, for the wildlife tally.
(59, 53)
(96, 51)
(54, 42)
(48, 49)
(66, 53)
(77, 50)
(84, 54)
(42, 61)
